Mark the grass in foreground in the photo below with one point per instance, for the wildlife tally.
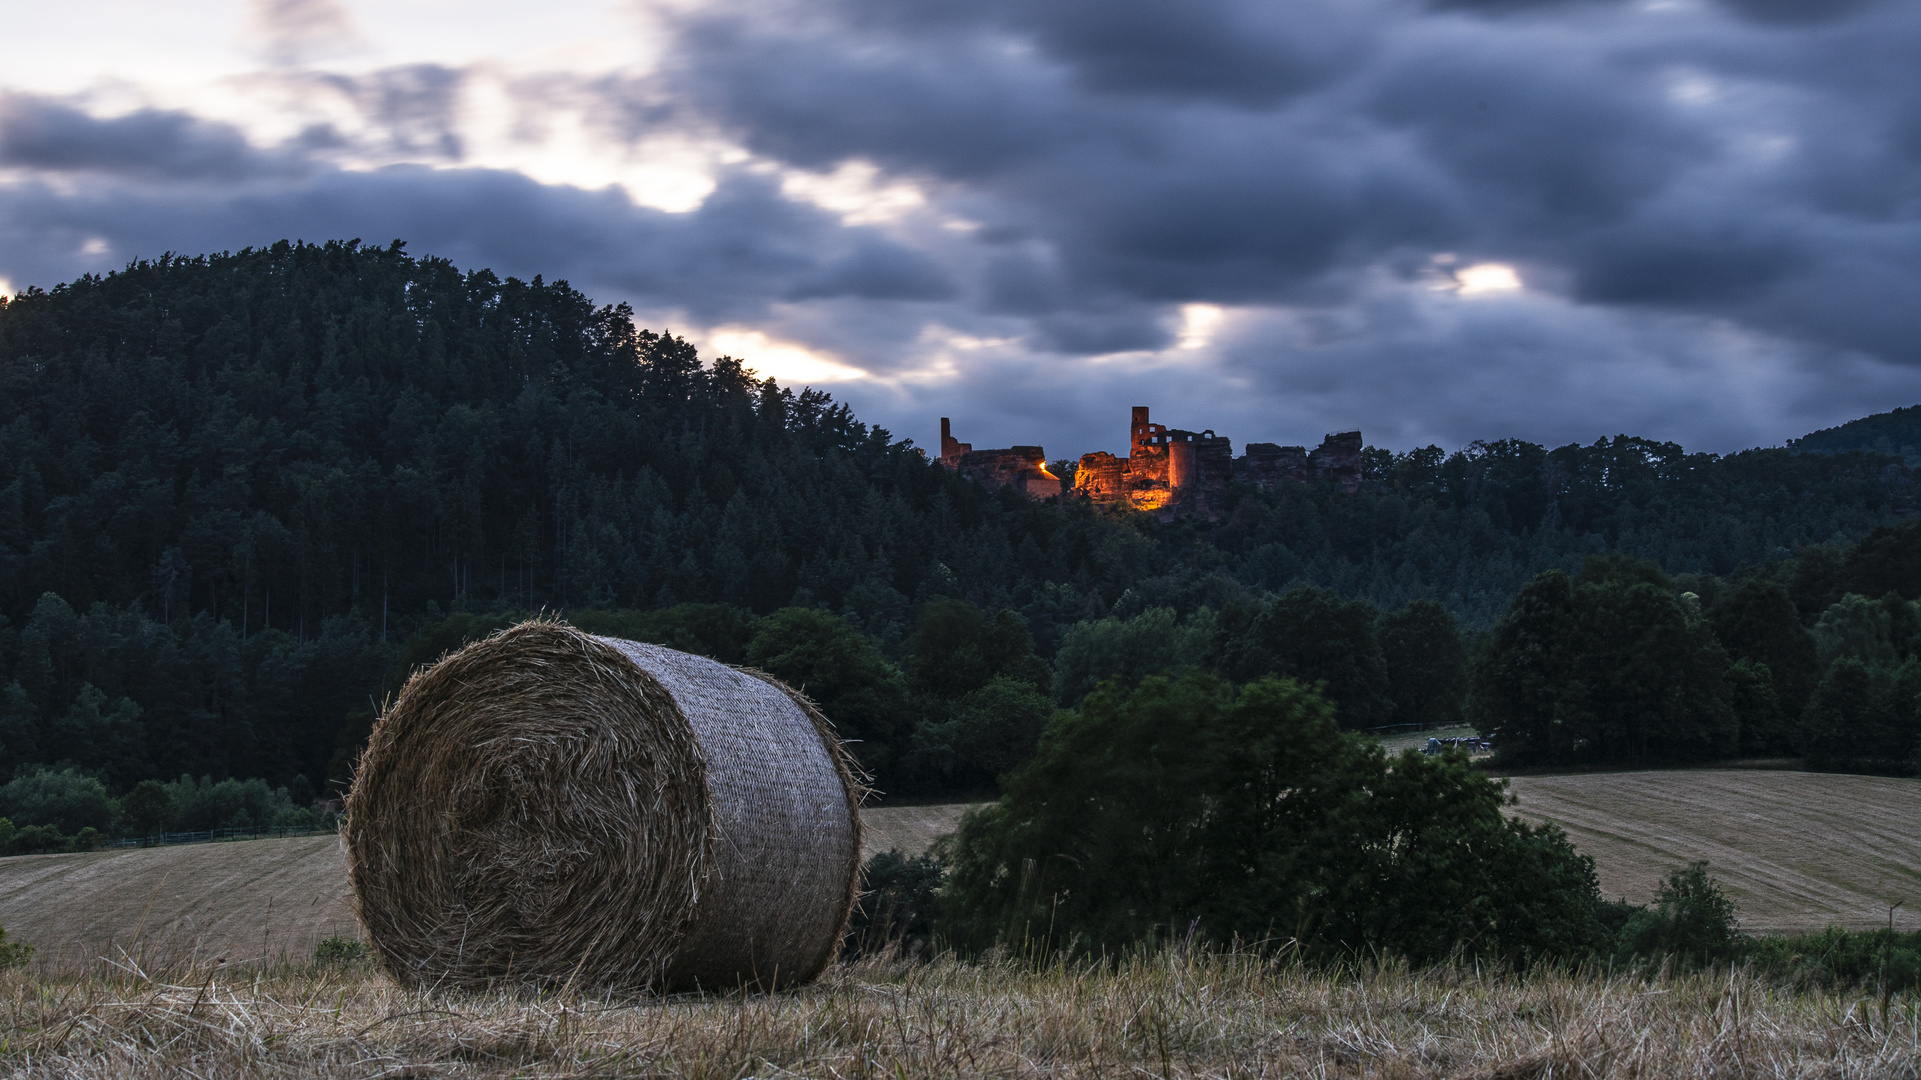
(1166, 1014)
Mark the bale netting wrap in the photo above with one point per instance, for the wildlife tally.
(554, 808)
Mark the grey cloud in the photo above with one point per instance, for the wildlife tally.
(47, 135)
(297, 31)
(877, 270)
(1796, 12)
(726, 261)
(413, 107)
(1683, 263)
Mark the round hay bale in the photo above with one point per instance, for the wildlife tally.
(550, 807)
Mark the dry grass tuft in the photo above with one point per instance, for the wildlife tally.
(551, 808)
(1167, 1014)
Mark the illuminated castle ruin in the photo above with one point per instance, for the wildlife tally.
(1167, 471)
(1021, 467)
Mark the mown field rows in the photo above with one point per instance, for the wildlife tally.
(1797, 851)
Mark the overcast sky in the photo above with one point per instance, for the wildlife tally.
(1435, 221)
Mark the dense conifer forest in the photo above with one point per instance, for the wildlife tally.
(240, 494)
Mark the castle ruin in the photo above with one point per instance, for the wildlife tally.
(1167, 471)
(1020, 467)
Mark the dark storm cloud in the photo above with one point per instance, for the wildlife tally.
(1242, 152)
(44, 135)
(1796, 12)
(1246, 53)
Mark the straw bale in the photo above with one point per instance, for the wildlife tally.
(555, 808)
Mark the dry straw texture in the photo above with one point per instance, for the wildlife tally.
(1162, 1015)
(553, 808)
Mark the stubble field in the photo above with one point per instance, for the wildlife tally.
(1797, 851)
(1167, 1014)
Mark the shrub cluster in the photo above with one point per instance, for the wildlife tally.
(47, 810)
(1183, 807)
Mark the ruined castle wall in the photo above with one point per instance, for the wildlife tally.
(1102, 477)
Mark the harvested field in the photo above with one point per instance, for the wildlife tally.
(908, 829)
(247, 900)
(1168, 1014)
(1795, 850)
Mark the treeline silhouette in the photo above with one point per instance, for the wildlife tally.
(233, 489)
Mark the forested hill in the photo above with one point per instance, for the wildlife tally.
(232, 486)
(1896, 433)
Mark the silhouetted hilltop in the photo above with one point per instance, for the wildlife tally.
(1897, 434)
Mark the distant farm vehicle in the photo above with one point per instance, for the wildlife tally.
(1473, 744)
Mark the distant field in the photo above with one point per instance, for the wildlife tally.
(246, 900)
(1796, 851)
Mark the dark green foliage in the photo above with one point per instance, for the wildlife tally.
(1183, 807)
(1151, 643)
(717, 630)
(1614, 668)
(1837, 959)
(146, 810)
(1896, 434)
(1887, 560)
(957, 648)
(1426, 663)
(1864, 718)
(1317, 637)
(234, 804)
(1692, 924)
(13, 954)
(46, 839)
(340, 951)
(965, 743)
(819, 654)
(64, 800)
(897, 905)
(1756, 622)
(1764, 720)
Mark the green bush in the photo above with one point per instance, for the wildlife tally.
(1692, 923)
(146, 810)
(1836, 959)
(967, 742)
(13, 953)
(227, 804)
(46, 839)
(64, 800)
(1183, 807)
(896, 910)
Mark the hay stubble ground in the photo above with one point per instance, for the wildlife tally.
(1169, 1014)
